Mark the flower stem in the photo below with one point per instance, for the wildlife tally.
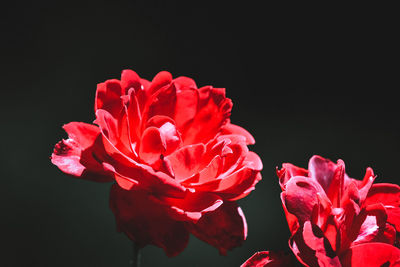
(135, 262)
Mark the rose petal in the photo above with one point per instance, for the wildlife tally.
(253, 161)
(168, 132)
(322, 170)
(238, 184)
(315, 240)
(387, 194)
(292, 220)
(233, 187)
(371, 255)
(336, 185)
(301, 196)
(184, 83)
(162, 103)
(108, 126)
(288, 171)
(74, 156)
(185, 161)
(185, 107)
(393, 217)
(193, 206)
(234, 159)
(134, 116)
(162, 79)
(152, 145)
(148, 178)
(108, 97)
(213, 111)
(230, 128)
(224, 228)
(147, 222)
(130, 79)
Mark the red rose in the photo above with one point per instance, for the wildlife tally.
(339, 221)
(178, 162)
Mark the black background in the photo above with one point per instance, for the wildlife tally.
(304, 80)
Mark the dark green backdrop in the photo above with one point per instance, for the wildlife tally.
(303, 81)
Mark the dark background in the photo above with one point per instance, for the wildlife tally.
(304, 80)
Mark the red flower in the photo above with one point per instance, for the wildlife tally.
(178, 162)
(339, 221)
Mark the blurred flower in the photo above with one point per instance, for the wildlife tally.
(178, 162)
(336, 220)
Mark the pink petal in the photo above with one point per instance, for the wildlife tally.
(322, 170)
(315, 240)
(300, 197)
(234, 159)
(233, 187)
(74, 156)
(147, 222)
(253, 161)
(238, 184)
(230, 128)
(224, 228)
(108, 125)
(168, 132)
(211, 171)
(288, 171)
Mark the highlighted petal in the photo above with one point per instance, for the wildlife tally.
(186, 161)
(230, 128)
(75, 156)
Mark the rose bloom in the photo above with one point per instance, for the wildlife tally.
(336, 220)
(178, 162)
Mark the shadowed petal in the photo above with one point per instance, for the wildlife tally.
(145, 221)
(225, 228)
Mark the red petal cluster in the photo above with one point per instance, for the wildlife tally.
(178, 162)
(336, 220)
